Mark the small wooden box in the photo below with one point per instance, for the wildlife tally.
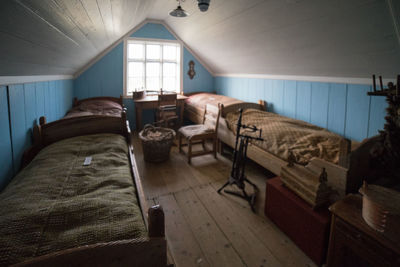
(137, 94)
(308, 228)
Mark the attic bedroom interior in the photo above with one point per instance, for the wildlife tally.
(200, 132)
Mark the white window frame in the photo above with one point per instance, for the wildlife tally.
(150, 41)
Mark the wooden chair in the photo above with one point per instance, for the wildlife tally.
(166, 113)
(199, 133)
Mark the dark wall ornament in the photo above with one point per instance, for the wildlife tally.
(191, 71)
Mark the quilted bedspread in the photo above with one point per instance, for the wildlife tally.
(56, 203)
(96, 107)
(282, 134)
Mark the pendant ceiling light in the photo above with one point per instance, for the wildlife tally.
(181, 13)
(203, 5)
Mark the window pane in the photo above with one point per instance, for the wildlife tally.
(153, 51)
(135, 76)
(153, 76)
(169, 69)
(134, 84)
(136, 51)
(169, 76)
(170, 52)
(169, 84)
(135, 69)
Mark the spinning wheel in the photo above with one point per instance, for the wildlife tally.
(238, 176)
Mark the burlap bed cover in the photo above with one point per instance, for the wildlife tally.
(282, 134)
(56, 203)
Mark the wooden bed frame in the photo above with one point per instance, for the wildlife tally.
(343, 177)
(149, 251)
(119, 100)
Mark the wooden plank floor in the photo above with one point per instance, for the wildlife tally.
(204, 228)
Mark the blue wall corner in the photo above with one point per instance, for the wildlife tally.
(202, 81)
(344, 109)
(105, 77)
(153, 30)
(27, 103)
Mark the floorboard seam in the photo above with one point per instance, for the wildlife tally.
(191, 230)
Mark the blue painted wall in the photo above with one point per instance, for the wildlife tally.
(25, 104)
(342, 108)
(105, 77)
(6, 161)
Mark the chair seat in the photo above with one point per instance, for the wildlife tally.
(192, 130)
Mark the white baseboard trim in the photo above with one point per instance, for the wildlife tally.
(8, 80)
(346, 80)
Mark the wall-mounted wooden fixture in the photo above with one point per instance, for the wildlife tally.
(191, 71)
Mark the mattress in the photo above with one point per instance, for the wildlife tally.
(96, 107)
(195, 104)
(282, 135)
(56, 203)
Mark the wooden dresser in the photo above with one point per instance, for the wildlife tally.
(354, 243)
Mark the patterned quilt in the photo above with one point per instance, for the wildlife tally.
(199, 101)
(282, 134)
(56, 203)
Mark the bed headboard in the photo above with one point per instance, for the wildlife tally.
(66, 128)
(109, 98)
(49, 133)
(262, 105)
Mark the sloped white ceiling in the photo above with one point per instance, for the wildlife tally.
(336, 38)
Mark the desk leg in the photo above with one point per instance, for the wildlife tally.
(138, 109)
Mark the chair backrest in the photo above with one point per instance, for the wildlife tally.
(211, 116)
(167, 99)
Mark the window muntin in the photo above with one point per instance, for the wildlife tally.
(153, 65)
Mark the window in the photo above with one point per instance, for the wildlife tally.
(152, 65)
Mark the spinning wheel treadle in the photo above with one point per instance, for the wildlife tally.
(237, 176)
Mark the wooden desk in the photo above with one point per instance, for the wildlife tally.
(354, 243)
(151, 102)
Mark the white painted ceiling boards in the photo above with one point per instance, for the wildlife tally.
(335, 38)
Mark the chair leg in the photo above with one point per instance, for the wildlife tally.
(189, 151)
(215, 147)
(180, 142)
(221, 147)
(203, 144)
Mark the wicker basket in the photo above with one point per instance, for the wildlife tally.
(156, 142)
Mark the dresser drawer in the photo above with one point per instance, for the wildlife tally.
(369, 247)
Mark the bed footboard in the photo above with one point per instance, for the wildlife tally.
(135, 252)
